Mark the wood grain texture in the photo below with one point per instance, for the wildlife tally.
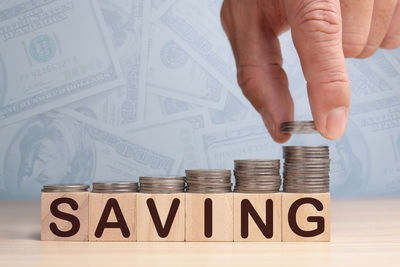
(365, 232)
(303, 214)
(146, 229)
(222, 217)
(81, 213)
(259, 203)
(127, 205)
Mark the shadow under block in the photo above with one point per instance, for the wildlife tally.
(64, 216)
(257, 217)
(161, 217)
(112, 216)
(306, 217)
(209, 217)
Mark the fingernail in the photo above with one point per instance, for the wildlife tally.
(336, 122)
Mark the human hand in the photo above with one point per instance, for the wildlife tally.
(324, 33)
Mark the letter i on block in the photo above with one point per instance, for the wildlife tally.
(305, 217)
(64, 215)
(161, 217)
(257, 217)
(209, 217)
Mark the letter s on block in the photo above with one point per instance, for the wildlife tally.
(318, 219)
(64, 216)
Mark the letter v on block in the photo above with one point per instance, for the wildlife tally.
(161, 217)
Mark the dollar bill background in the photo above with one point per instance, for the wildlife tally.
(101, 90)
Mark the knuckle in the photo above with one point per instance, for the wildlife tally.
(352, 48)
(320, 16)
(391, 42)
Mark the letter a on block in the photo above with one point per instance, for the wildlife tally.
(112, 216)
(112, 204)
(306, 217)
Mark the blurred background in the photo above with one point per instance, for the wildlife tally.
(101, 90)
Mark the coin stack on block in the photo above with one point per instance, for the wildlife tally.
(208, 181)
(306, 169)
(115, 187)
(257, 176)
(162, 184)
(65, 188)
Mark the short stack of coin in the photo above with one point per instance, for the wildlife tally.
(257, 176)
(65, 188)
(115, 187)
(306, 169)
(298, 127)
(208, 181)
(162, 184)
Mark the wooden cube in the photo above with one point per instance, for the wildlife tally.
(257, 217)
(306, 217)
(112, 216)
(161, 217)
(209, 217)
(64, 216)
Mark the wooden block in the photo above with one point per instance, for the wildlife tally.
(64, 216)
(209, 217)
(257, 217)
(306, 217)
(112, 216)
(161, 217)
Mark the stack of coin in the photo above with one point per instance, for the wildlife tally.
(162, 184)
(306, 169)
(65, 188)
(208, 181)
(298, 127)
(257, 176)
(115, 187)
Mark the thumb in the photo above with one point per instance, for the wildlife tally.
(317, 36)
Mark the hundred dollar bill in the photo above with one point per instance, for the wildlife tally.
(127, 22)
(63, 147)
(173, 72)
(52, 53)
(174, 134)
(196, 27)
(233, 110)
(240, 140)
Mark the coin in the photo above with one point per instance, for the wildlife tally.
(298, 127)
(208, 181)
(257, 176)
(159, 184)
(306, 169)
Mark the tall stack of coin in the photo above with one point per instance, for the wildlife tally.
(306, 169)
(162, 184)
(208, 181)
(115, 187)
(257, 176)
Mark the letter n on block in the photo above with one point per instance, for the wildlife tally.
(112, 216)
(257, 217)
(306, 217)
(64, 216)
(161, 217)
